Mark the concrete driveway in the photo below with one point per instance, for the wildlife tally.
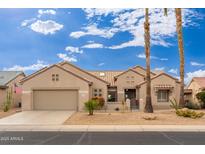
(37, 118)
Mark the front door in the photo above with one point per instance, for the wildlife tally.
(131, 95)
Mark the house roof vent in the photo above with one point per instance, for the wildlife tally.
(102, 74)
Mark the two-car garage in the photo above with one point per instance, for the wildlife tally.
(55, 99)
(54, 88)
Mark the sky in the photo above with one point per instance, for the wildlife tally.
(100, 39)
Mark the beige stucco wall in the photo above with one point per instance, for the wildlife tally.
(163, 79)
(126, 83)
(2, 96)
(96, 82)
(195, 89)
(44, 81)
(142, 71)
(16, 97)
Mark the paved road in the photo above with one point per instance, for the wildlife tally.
(103, 138)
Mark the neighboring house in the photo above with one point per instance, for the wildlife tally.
(196, 85)
(64, 86)
(10, 79)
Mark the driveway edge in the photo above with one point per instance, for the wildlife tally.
(105, 128)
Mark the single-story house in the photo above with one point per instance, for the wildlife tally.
(64, 86)
(10, 80)
(196, 85)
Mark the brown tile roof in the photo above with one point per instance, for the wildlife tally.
(200, 81)
(108, 75)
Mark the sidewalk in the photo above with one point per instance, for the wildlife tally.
(105, 128)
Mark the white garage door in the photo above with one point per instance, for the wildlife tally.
(55, 99)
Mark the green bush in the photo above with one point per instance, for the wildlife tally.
(9, 100)
(201, 97)
(90, 106)
(174, 104)
(194, 106)
(189, 113)
(100, 101)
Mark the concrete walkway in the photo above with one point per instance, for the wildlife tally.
(105, 128)
(36, 118)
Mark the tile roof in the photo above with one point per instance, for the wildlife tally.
(200, 81)
(6, 76)
(106, 75)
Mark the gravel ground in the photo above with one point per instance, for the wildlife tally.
(163, 117)
(10, 112)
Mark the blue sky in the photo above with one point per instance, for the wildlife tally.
(99, 39)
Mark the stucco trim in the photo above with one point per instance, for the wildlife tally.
(159, 76)
(47, 68)
(65, 62)
(143, 69)
(128, 71)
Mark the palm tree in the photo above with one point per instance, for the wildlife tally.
(178, 14)
(148, 106)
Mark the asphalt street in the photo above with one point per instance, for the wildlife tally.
(102, 138)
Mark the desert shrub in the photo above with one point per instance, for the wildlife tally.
(201, 97)
(194, 106)
(174, 104)
(189, 113)
(100, 101)
(9, 100)
(90, 106)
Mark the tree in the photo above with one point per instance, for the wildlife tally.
(181, 53)
(201, 97)
(148, 104)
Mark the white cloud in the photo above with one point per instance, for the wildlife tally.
(27, 22)
(142, 56)
(46, 27)
(159, 69)
(101, 64)
(132, 21)
(48, 12)
(196, 64)
(190, 75)
(93, 30)
(73, 50)
(93, 45)
(40, 64)
(101, 12)
(174, 71)
(66, 57)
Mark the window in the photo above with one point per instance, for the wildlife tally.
(55, 77)
(163, 96)
(112, 94)
(97, 92)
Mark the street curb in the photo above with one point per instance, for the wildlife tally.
(104, 128)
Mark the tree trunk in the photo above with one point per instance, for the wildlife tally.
(181, 54)
(148, 106)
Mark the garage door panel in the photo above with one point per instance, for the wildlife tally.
(55, 99)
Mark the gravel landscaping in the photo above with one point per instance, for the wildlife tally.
(10, 112)
(162, 117)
